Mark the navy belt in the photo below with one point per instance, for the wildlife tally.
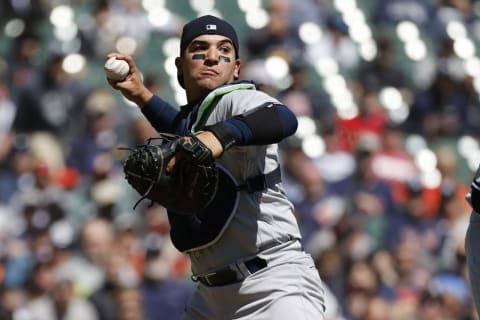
(232, 274)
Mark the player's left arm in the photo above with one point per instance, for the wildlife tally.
(160, 114)
(266, 124)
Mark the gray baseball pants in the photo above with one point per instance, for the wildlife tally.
(282, 292)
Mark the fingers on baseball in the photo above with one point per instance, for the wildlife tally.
(127, 58)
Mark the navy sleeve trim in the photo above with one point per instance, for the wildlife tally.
(160, 114)
(265, 125)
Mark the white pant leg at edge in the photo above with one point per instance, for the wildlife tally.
(472, 249)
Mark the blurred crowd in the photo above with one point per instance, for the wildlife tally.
(387, 244)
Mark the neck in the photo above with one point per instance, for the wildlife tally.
(191, 98)
(199, 93)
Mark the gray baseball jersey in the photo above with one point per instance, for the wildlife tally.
(261, 219)
(257, 224)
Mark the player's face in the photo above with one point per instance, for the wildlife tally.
(208, 62)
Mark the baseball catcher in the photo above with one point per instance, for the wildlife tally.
(219, 176)
(188, 187)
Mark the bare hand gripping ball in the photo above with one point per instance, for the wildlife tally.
(116, 69)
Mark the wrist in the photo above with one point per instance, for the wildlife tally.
(223, 134)
(143, 98)
(211, 142)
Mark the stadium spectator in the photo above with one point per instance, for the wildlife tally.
(386, 235)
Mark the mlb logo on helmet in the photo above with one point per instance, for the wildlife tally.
(211, 27)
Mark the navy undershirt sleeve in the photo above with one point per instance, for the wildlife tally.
(263, 126)
(160, 114)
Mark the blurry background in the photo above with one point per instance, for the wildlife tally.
(387, 97)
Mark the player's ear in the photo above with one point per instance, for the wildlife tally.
(178, 64)
(236, 73)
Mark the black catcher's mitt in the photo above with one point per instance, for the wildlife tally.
(188, 188)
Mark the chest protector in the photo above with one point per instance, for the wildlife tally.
(189, 233)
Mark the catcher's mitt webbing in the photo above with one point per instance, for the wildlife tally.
(146, 165)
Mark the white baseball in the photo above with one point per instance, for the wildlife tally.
(116, 69)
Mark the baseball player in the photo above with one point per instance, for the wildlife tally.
(472, 241)
(245, 248)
